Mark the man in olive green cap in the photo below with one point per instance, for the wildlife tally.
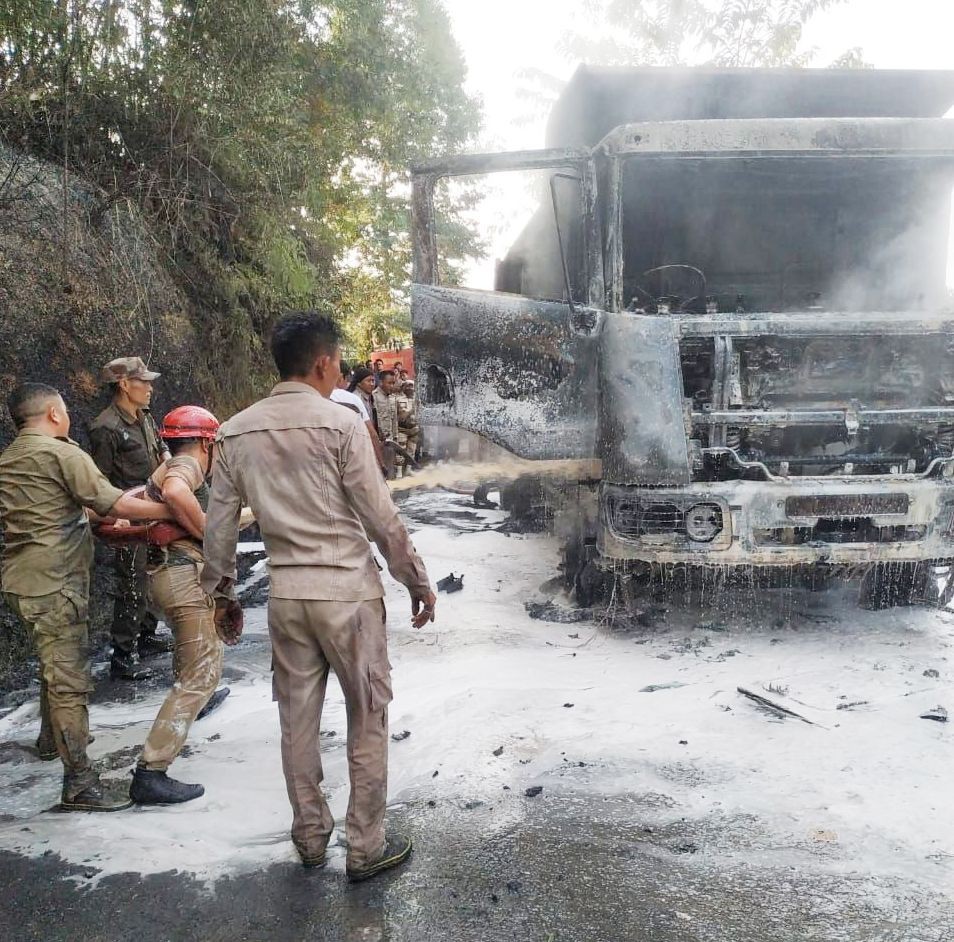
(127, 448)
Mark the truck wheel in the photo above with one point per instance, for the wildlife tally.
(590, 585)
(887, 585)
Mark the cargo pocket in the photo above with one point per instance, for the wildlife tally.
(379, 678)
(70, 669)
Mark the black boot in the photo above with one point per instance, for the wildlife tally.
(396, 851)
(125, 666)
(215, 700)
(151, 645)
(95, 798)
(46, 749)
(154, 787)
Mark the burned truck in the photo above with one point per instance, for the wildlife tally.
(734, 299)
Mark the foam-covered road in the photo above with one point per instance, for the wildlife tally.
(669, 807)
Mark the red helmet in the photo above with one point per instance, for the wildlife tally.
(189, 422)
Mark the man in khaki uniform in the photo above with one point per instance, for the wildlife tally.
(385, 404)
(126, 447)
(47, 482)
(307, 470)
(181, 484)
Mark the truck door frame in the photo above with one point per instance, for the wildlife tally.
(424, 178)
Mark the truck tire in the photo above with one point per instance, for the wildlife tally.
(583, 577)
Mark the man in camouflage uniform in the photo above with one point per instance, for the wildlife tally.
(49, 488)
(127, 449)
(408, 429)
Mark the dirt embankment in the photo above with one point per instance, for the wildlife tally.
(63, 314)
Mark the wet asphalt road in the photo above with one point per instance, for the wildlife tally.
(575, 867)
(567, 869)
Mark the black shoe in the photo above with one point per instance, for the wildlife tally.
(214, 701)
(46, 750)
(123, 666)
(154, 787)
(311, 860)
(396, 851)
(95, 798)
(152, 645)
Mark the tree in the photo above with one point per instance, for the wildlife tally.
(267, 141)
(736, 33)
(739, 33)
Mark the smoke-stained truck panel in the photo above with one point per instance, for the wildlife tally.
(759, 339)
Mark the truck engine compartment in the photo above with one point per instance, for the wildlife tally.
(841, 374)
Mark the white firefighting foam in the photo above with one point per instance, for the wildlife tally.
(851, 794)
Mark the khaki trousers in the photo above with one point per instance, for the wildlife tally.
(59, 623)
(197, 660)
(308, 637)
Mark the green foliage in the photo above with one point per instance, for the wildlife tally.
(266, 140)
(739, 33)
(731, 33)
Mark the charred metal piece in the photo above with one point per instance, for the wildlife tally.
(451, 583)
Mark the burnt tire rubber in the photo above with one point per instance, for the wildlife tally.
(215, 701)
(894, 585)
(590, 584)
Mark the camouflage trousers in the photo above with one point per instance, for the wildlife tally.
(197, 659)
(131, 609)
(59, 623)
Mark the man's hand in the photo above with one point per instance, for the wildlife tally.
(422, 608)
(228, 620)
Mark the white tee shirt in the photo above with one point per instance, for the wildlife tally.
(350, 399)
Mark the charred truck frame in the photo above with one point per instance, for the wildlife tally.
(733, 297)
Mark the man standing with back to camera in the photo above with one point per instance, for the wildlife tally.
(306, 468)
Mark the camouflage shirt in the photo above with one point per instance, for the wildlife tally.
(126, 449)
(45, 484)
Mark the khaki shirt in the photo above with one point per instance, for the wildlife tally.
(126, 449)
(307, 470)
(45, 484)
(387, 414)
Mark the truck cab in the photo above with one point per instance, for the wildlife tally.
(734, 304)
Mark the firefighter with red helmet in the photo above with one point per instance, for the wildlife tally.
(181, 482)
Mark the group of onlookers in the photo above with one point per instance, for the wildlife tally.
(385, 400)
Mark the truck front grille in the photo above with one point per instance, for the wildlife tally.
(846, 505)
(859, 530)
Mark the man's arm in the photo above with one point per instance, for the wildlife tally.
(186, 510)
(89, 488)
(133, 508)
(375, 443)
(221, 525)
(371, 500)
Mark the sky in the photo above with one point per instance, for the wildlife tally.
(499, 38)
